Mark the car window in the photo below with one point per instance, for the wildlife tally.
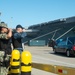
(71, 40)
(62, 43)
(64, 39)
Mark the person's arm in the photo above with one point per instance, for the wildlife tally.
(9, 35)
(6, 35)
(17, 35)
(24, 34)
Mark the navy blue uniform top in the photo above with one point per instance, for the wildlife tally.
(17, 39)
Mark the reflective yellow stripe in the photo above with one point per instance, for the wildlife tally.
(25, 68)
(15, 63)
(15, 70)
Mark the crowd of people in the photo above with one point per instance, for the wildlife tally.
(10, 40)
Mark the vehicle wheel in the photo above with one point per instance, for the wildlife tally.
(68, 53)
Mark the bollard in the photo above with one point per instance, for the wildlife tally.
(26, 63)
(15, 62)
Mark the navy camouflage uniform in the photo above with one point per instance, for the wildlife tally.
(5, 47)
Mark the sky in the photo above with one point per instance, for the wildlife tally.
(32, 12)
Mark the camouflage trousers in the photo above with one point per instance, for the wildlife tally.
(3, 70)
(2, 53)
(2, 58)
(3, 64)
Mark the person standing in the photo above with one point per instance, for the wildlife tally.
(5, 44)
(18, 36)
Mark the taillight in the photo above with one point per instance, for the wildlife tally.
(74, 47)
(60, 70)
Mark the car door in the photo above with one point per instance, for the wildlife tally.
(59, 47)
(64, 46)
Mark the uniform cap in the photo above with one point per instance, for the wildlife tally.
(2, 24)
(19, 26)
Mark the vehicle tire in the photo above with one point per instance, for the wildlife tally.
(68, 54)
